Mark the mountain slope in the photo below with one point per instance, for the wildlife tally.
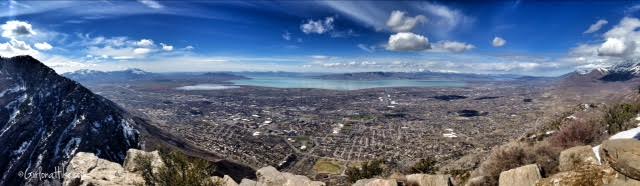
(46, 118)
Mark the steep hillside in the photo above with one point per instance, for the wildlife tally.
(46, 118)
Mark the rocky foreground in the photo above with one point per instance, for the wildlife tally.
(615, 162)
(87, 169)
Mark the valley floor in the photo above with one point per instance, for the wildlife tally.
(301, 130)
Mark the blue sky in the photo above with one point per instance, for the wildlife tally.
(519, 37)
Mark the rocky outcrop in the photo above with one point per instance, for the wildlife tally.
(270, 176)
(87, 169)
(522, 176)
(428, 180)
(376, 182)
(575, 157)
(623, 155)
(589, 175)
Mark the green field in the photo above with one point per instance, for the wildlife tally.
(328, 166)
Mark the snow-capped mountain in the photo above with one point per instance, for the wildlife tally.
(110, 76)
(619, 72)
(46, 118)
(622, 72)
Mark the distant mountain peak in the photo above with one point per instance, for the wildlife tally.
(624, 71)
(136, 71)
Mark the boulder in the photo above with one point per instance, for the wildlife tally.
(87, 169)
(248, 182)
(522, 176)
(270, 176)
(131, 165)
(575, 157)
(376, 182)
(623, 155)
(428, 180)
(588, 175)
(226, 180)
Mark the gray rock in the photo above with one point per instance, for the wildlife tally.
(428, 180)
(522, 176)
(248, 182)
(623, 155)
(576, 157)
(87, 169)
(589, 175)
(376, 182)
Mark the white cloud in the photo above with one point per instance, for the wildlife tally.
(15, 48)
(407, 41)
(166, 47)
(444, 18)
(146, 43)
(498, 42)
(318, 27)
(622, 39)
(399, 22)
(141, 51)
(44, 46)
(346, 33)
(14, 29)
(620, 43)
(320, 57)
(452, 46)
(286, 36)
(366, 48)
(596, 26)
(151, 4)
(616, 47)
(627, 27)
(189, 47)
(121, 48)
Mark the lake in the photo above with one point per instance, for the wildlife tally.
(307, 82)
(206, 87)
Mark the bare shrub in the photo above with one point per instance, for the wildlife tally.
(516, 154)
(179, 170)
(424, 166)
(577, 133)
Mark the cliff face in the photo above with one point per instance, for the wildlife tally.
(45, 119)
